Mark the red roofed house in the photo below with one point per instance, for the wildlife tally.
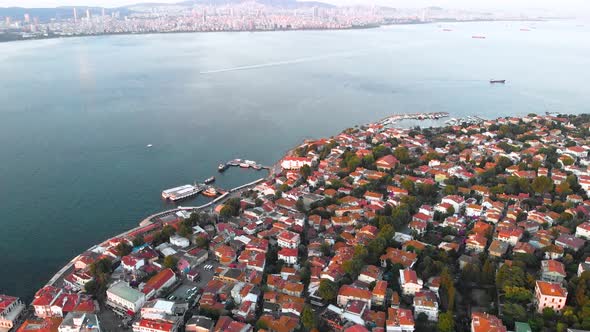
(11, 309)
(583, 230)
(163, 279)
(409, 282)
(552, 271)
(483, 322)
(348, 293)
(379, 293)
(295, 162)
(288, 255)
(225, 254)
(156, 325)
(288, 239)
(399, 320)
(549, 295)
(386, 163)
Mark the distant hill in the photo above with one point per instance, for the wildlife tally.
(274, 3)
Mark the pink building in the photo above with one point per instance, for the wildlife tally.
(550, 295)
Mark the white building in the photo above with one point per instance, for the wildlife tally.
(408, 279)
(288, 239)
(583, 230)
(121, 296)
(80, 322)
(179, 241)
(426, 302)
(157, 309)
(10, 310)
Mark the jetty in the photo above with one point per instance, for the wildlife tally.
(412, 116)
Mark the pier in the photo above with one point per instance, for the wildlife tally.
(151, 220)
(413, 116)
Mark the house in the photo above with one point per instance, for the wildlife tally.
(426, 302)
(44, 299)
(379, 293)
(349, 293)
(199, 324)
(288, 255)
(583, 230)
(155, 284)
(498, 248)
(397, 256)
(476, 243)
(584, 266)
(549, 295)
(156, 325)
(225, 254)
(132, 263)
(552, 271)
(418, 226)
(80, 321)
(288, 239)
(568, 241)
(125, 299)
(409, 282)
(11, 309)
(293, 163)
(399, 320)
(370, 273)
(510, 236)
(484, 322)
(179, 241)
(454, 200)
(386, 163)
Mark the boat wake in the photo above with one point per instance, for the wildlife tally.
(282, 63)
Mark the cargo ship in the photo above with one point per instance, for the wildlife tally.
(497, 81)
(182, 192)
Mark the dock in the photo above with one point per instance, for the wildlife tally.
(242, 164)
(413, 116)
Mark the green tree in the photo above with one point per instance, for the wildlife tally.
(517, 294)
(513, 312)
(123, 249)
(402, 154)
(170, 262)
(184, 229)
(305, 171)
(138, 240)
(308, 318)
(328, 290)
(446, 323)
(542, 185)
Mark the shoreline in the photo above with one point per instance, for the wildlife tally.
(147, 221)
(366, 27)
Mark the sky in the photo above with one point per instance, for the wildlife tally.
(557, 5)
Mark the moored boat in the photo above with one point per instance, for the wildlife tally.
(497, 81)
(210, 180)
(222, 167)
(210, 192)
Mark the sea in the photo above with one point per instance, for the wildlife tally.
(77, 114)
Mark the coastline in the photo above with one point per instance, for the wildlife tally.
(369, 26)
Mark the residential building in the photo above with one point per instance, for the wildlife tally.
(11, 309)
(409, 282)
(426, 302)
(124, 298)
(550, 295)
(484, 322)
(552, 271)
(80, 322)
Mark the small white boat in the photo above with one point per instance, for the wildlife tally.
(149, 145)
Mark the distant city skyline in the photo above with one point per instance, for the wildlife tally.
(566, 5)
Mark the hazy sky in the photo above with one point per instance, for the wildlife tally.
(558, 5)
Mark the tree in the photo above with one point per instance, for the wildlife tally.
(517, 294)
(328, 290)
(402, 154)
(123, 249)
(184, 229)
(305, 171)
(138, 240)
(513, 312)
(170, 262)
(201, 242)
(307, 318)
(542, 185)
(446, 323)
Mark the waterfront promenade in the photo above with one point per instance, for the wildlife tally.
(150, 220)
